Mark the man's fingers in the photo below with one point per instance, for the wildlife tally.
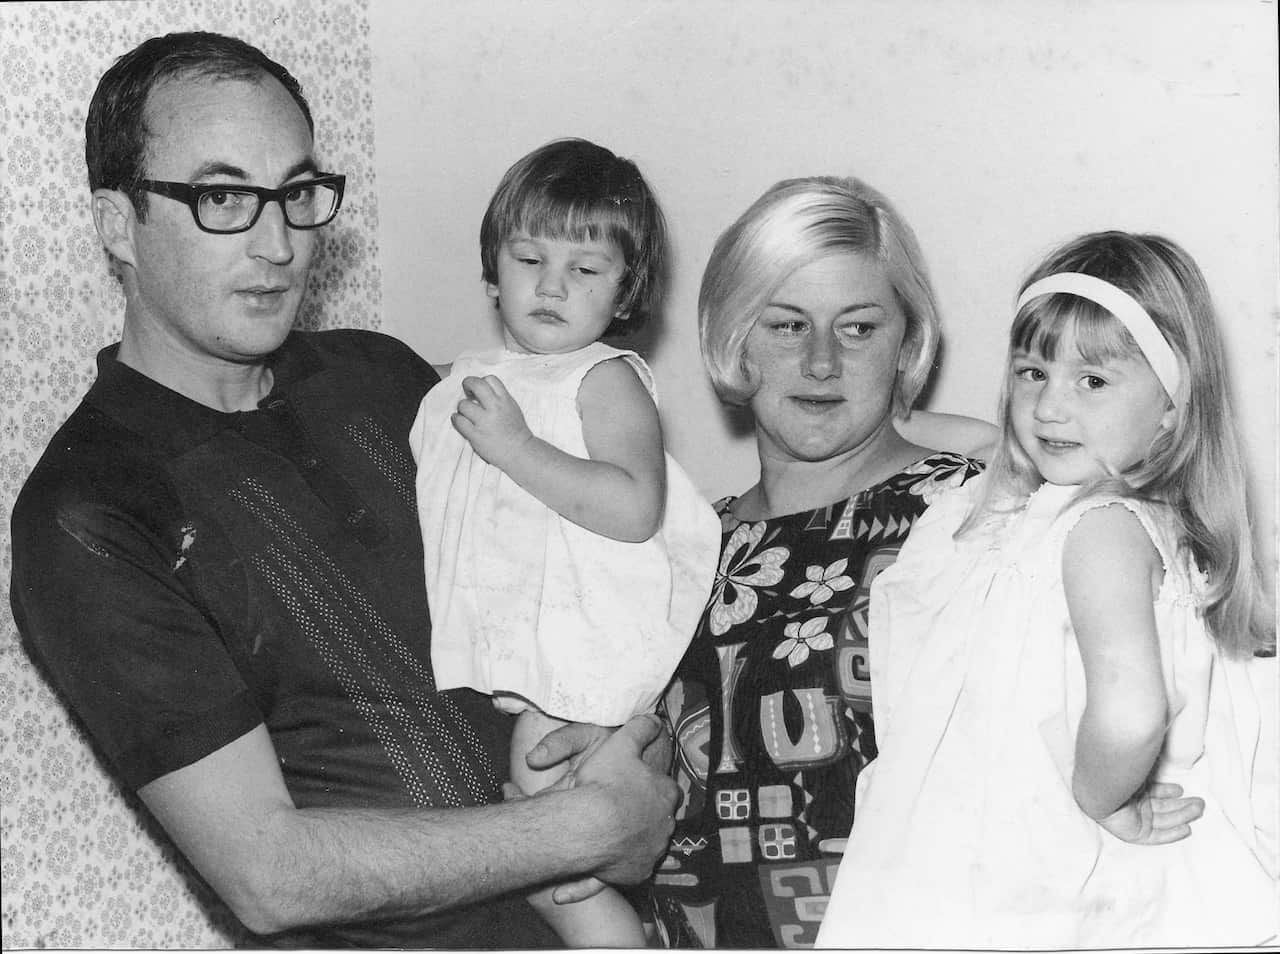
(562, 743)
(641, 730)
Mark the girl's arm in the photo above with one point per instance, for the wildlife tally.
(620, 491)
(1111, 574)
(949, 432)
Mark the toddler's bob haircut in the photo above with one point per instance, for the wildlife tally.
(797, 222)
(574, 190)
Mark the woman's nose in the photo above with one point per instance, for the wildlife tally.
(822, 356)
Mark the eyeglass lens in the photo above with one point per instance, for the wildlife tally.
(304, 207)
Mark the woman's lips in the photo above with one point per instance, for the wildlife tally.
(817, 402)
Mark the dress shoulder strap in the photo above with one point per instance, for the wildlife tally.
(598, 352)
(1153, 516)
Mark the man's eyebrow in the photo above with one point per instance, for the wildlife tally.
(298, 168)
(214, 168)
(208, 170)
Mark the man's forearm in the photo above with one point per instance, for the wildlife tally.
(280, 867)
(329, 865)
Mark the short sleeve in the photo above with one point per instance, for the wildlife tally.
(103, 607)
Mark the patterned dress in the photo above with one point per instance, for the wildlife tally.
(771, 710)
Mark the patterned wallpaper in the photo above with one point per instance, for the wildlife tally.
(78, 866)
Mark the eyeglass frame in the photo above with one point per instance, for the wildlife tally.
(190, 196)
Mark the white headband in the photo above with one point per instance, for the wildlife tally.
(1125, 310)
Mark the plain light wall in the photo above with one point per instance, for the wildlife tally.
(998, 128)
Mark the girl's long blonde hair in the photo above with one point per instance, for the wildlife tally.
(1195, 467)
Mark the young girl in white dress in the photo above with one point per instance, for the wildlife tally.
(1068, 644)
(568, 557)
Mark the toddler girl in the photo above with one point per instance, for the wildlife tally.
(568, 557)
(1067, 643)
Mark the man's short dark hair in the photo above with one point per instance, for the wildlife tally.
(115, 131)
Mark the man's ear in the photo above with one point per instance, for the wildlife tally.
(115, 217)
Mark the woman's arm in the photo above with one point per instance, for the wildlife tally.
(619, 492)
(1111, 573)
(949, 432)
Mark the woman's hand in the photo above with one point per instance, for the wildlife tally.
(1158, 815)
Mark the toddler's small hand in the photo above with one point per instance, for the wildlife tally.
(1160, 815)
(491, 420)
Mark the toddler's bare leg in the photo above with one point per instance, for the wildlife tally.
(603, 920)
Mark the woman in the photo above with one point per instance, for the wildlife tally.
(817, 314)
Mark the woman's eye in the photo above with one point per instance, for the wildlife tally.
(787, 327)
(583, 270)
(1093, 382)
(1028, 374)
(859, 329)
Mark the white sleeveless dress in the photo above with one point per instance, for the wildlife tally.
(966, 834)
(523, 601)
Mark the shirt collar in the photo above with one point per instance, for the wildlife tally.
(162, 415)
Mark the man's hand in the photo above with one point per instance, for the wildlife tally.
(491, 420)
(577, 740)
(1158, 815)
(639, 800)
(644, 736)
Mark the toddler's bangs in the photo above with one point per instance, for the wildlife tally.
(576, 219)
(1056, 321)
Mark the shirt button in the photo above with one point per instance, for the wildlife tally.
(355, 516)
(310, 463)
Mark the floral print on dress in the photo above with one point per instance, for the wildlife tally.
(821, 584)
(943, 479)
(733, 597)
(803, 638)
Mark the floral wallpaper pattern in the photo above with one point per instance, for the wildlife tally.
(79, 866)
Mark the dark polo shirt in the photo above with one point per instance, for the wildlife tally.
(183, 574)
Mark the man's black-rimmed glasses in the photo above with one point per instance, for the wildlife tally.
(225, 209)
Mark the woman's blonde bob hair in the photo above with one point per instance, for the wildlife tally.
(797, 222)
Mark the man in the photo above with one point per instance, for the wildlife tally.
(216, 560)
